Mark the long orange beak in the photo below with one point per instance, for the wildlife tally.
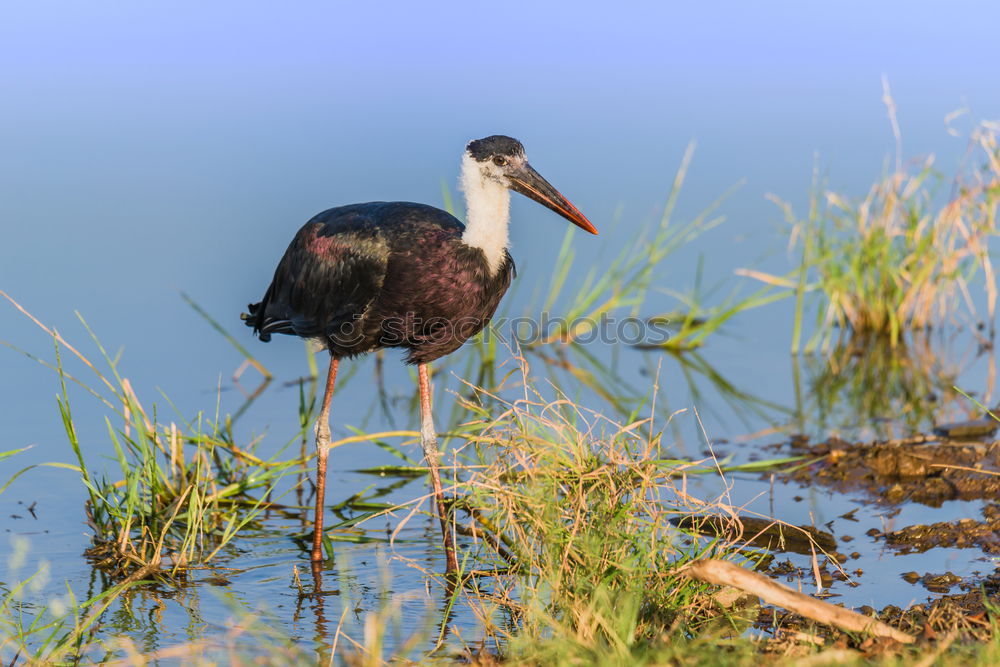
(530, 183)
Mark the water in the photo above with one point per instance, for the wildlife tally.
(146, 153)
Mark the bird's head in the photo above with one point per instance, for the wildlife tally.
(501, 159)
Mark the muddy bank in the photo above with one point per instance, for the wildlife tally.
(961, 534)
(767, 534)
(924, 469)
(961, 617)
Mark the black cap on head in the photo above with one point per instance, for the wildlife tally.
(498, 144)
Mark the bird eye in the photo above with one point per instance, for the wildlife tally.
(499, 161)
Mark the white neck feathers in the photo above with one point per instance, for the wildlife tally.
(487, 203)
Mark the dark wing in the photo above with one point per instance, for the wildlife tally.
(330, 274)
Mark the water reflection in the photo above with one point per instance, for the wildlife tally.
(866, 388)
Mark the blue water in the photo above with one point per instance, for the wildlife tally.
(148, 151)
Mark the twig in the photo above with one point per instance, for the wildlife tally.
(723, 573)
(949, 466)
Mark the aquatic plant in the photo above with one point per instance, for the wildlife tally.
(903, 257)
(571, 551)
(184, 488)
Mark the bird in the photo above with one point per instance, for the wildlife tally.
(365, 277)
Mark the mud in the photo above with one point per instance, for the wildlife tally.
(771, 535)
(936, 583)
(924, 469)
(961, 617)
(966, 612)
(961, 534)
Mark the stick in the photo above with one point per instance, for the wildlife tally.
(723, 573)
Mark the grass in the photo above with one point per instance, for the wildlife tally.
(571, 555)
(183, 489)
(570, 514)
(172, 504)
(905, 256)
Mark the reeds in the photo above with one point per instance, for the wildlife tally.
(183, 489)
(905, 256)
(571, 517)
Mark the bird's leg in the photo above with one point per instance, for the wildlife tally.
(322, 449)
(428, 438)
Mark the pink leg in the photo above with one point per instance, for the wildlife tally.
(428, 438)
(322, 449)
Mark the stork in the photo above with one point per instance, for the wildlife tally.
(364, 277)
